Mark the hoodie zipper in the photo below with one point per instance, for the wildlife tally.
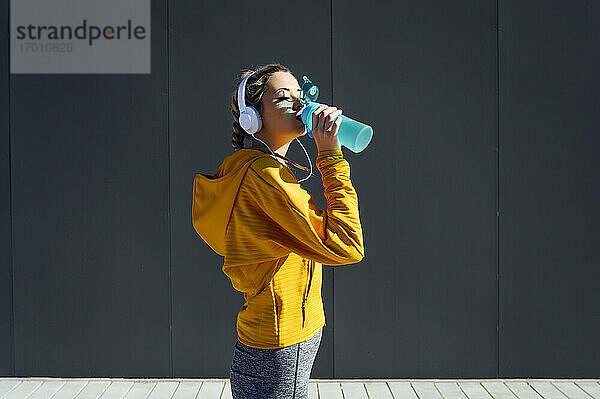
(272, 289)
(304, 300)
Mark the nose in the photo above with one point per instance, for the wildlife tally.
(297, 100)
(297, 103)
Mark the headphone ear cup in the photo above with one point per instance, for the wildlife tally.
(250, 120)
(245, 121)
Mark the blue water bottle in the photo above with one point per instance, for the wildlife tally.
(352, 134)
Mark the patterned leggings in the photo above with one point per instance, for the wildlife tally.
(281, 373)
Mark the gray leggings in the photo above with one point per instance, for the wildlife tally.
(281, 373)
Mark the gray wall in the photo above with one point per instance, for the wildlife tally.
(549, 234)
(478, 194)
(89, 177)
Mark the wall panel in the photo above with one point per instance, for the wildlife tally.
(423, 302)
(90, 172)
(549, 191)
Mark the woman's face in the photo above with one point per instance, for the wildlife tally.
(281, 103)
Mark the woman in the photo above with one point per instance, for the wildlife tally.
(274, 238)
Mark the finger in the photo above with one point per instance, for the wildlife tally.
(325, 119)
(336, 126)
(315, 116)
(328, 117)
(321, 119)
(331, 118)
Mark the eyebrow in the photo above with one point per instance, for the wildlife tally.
(285, 88)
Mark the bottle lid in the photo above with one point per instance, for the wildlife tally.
(310, 91)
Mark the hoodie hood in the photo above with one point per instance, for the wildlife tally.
(214, 197)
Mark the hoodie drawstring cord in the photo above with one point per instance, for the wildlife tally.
(293, 163)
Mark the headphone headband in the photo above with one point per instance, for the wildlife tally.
(242, 94)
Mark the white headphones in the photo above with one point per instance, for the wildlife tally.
(249, 117)
(251, 121)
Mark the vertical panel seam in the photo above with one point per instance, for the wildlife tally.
(11, 255)
(497, 189)
(169, 219)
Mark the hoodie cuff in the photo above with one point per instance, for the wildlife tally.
(330, 155)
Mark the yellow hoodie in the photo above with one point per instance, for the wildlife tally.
(274, 240)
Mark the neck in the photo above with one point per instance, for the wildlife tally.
(280, 151)
(278, 146)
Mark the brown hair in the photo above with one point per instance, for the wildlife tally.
(255, 88)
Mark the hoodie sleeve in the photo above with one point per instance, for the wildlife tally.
(291, 219)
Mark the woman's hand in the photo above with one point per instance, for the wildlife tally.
(324, 129)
